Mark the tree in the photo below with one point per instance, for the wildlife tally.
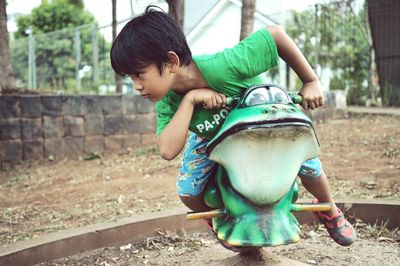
(78, 3)
(54, 15)
(247, 20)
(6, 73)
(54, 27)
(118, 78)
(332, 38)
(176, 9)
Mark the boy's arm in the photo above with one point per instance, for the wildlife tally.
(311, 90)
(172, 140)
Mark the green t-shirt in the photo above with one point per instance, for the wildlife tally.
(230, 72)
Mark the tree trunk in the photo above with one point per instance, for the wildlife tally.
(7, 80)
(176, 9)
(118, 78)
(247, 22)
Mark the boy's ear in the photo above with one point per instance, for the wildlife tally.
(173, 61)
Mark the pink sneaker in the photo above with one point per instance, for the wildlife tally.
(338, 228)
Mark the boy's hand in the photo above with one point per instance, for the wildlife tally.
(209, 98)
(312, 95)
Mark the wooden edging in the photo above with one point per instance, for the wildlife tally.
(66, 243)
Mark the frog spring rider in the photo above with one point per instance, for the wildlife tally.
(259, 150)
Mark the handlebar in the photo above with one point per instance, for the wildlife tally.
(296, 98)
(231, 99)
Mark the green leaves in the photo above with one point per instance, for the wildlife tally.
(56, 15)
(333, 37)
(54, 26)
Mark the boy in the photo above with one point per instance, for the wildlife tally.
(189, 91)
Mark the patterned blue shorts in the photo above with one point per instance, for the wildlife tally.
(196, 168)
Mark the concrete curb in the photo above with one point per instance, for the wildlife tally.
(373, 110)
(66, 243)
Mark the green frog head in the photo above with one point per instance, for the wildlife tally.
(263, 142)
(261, 147)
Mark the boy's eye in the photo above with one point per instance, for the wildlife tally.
(138, 75)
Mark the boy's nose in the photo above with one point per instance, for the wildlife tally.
(138, 86)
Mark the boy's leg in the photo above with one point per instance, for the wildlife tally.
(194, 172)
(315, 181)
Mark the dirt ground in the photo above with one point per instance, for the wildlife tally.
(360, 154)
(314, 248)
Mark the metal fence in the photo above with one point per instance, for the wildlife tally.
(333, 36)
(71, 60)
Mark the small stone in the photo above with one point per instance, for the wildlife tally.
(312, 234)
(126, 247)
(312, 262)
(120, 199)
(182, 232)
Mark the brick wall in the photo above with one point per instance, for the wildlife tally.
(35, 127)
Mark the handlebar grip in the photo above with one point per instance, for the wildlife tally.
(232, 99)
(296, 98)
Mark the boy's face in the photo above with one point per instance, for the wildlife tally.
(151, 84)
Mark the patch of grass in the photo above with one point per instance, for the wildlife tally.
(391, 152)
(91, 156)
(146, 150)
(18, 178)
(173, 239)
(21, 237)
(378, 231)
(49, 228)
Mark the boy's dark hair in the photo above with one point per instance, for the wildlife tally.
(146, 40)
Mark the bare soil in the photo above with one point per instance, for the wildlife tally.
(315, 248)
(360, 154)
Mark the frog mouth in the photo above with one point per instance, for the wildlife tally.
(264, 157)
(259, 124)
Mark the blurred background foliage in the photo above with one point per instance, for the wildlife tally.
(334, 36)
(55, 26)
(336, 39)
